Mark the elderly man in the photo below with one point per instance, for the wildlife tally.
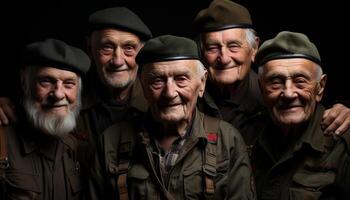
(38, 154)
(228, 45)
(183, 154)
(293, 159)
(113, 93)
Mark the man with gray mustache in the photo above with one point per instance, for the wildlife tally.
(38, 153)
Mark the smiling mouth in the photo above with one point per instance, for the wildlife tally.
(225, 68)
(288, 108)
(48, 107)
(169, 105)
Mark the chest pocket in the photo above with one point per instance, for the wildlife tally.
(310, 185)
(139, 183)
(74, 179)
(193, 182)
(22, 185)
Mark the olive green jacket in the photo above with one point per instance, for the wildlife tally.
(315, 167)
(227, 163)
(100, 114)
(243, 108)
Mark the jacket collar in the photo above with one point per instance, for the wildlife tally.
(313, 134)
(195, 128)
(247, 98)
(97, 93)
(43, 144)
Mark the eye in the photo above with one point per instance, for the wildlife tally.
(70, 84)
(181, 80)
(107, 49)
(233, 47)
(44, 82)
(275, 83)
(129, 50)
(212, 49)
(301, 82)
(157, 82)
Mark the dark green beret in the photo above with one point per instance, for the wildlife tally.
(167, 48)
(119, 18)
(222, 14)
(287, 45)
(57, 54)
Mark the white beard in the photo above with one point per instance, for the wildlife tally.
(51, 124)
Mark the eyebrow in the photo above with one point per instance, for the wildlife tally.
(293, 74)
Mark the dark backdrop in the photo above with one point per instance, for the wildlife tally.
(323, 22)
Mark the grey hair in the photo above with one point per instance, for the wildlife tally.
(250, 35)
(53, 125)
(201, 69)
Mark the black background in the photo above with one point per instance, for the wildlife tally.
(324, 22)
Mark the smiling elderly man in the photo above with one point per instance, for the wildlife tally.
(38, 154)
(293, 159)
(183, 154)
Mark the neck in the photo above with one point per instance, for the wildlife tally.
(290, 134)
(170, 132)
(121, 94)
(225, 90)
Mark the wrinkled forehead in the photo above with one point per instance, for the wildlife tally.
(290, 66)
(55, 72)
(114, 34)
(172, 67)
(224, 35)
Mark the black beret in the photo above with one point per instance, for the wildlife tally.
(222, 14)
(287, 45)
(167, 48)
(57, 54)
(119, 18)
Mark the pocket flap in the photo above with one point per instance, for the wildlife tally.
(75, 182)
(314, 179)
(138, 171)
(23, 181)
(198, 169)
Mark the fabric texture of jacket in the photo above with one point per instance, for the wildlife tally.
(242, 108)
(99, 114)
(315, 167)
(230, 168)
(41, 168)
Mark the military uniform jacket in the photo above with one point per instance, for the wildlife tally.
(100, 113)
(316, 167)
(227, 163)
(243, 108)
(36, 170)
(94, 123)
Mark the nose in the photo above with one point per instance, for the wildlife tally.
(289, 90)
(170, 90)
(224, 57)
(117, 58)
(57, 92)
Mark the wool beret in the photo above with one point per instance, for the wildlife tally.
(119, 18)
(222, 14)
(57, 54)
(287, 45)
(167, 48)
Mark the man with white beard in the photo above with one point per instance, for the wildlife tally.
(37, 153)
